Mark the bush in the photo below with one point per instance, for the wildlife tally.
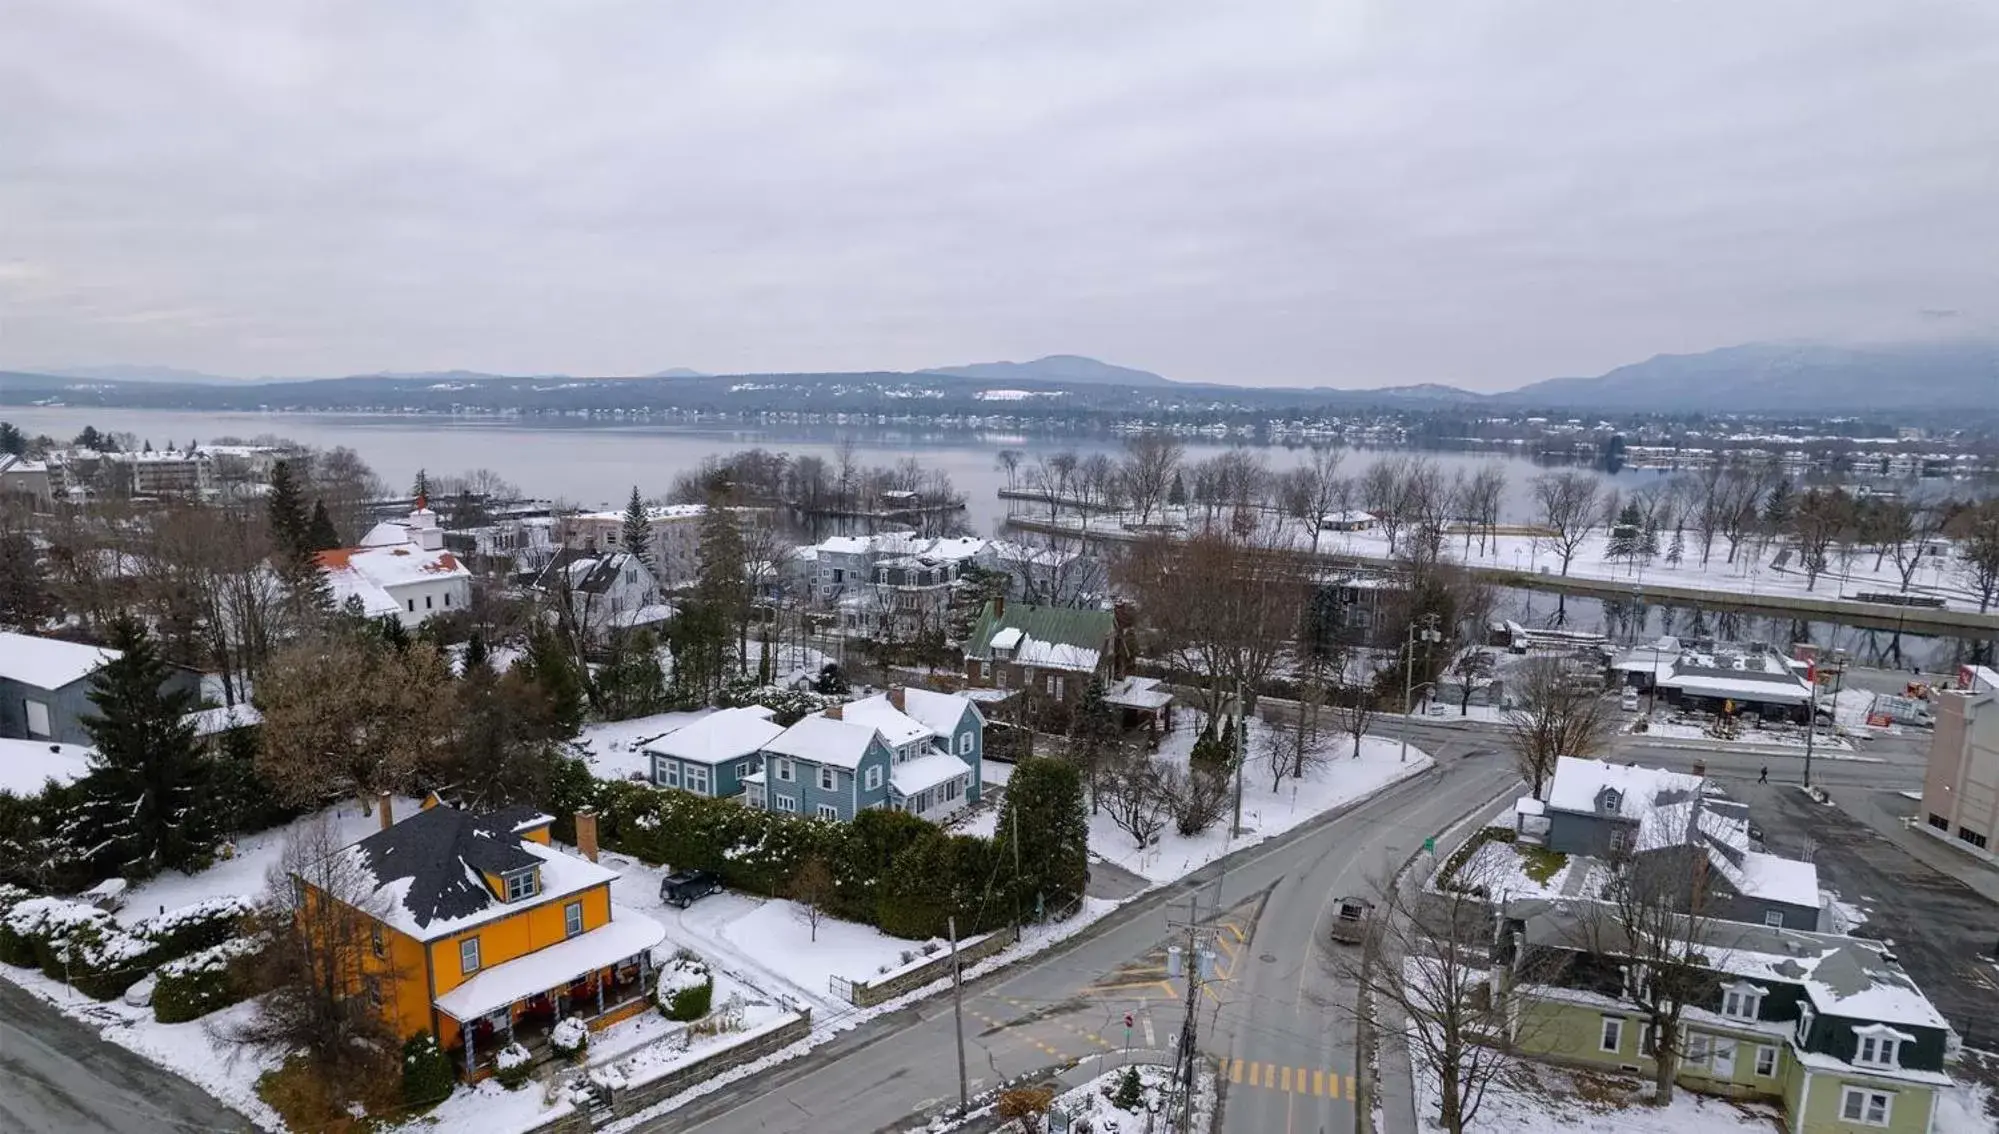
(427, 1077)
(1447, 875)
(1130, 1092)
(190, 929)
(77, 943)
(570, 1038)
(513, 1066)
(200, 983)
(686, 987)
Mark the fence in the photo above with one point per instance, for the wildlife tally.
(865, 994)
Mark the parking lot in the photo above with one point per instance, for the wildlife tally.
(1944, 932)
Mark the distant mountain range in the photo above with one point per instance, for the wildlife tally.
(1960, 377)
(1056, 368)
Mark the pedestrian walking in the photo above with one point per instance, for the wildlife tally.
(1765, 777)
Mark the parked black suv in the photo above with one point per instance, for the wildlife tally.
(686, 887)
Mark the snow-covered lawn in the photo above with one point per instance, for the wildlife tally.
(1510, 870)
(26, 766)
(1338, 778)
(615, 749)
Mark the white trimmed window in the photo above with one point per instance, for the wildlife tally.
(1724, 1058)
(745, 769)
(829, 780)
(1774, 919)
(697, 779)
(520, 885)
(828, 811)
(1699, 1048)
(784, 770)
(1865, 1106)
(965, 745)
(38, 718)
(875, 778)
(572, 919)
(1742, 1001)
(670, 773)
(1805, 1016)
(468, 955)
(1879, 1046)
(1766, 1062)
(786, 802)
(1612, 1036)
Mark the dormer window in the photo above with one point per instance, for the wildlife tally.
(1879, 1046)
(1742, 1001)
(521, 884)
(1804, 1025)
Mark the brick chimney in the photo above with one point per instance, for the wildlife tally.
(895, 697)
(836, 712)
(586, 833)
(385, 808)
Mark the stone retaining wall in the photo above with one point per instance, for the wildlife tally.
(868, 995)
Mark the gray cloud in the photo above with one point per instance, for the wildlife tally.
(1259, 192)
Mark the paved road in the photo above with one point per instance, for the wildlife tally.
(58, 1077)
(1071, 1001)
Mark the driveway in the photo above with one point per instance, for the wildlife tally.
(1943, 931)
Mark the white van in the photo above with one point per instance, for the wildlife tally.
(1629, 701)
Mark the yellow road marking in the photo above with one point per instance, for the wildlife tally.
(1319, 1083)
(1287, 1079)
(1235, 929)
(1235, 1071)
(1350, 1093)
(1291, 1080)
(1255, 1069)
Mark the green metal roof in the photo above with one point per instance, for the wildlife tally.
(1069, 626)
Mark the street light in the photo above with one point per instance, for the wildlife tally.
(1427, 634)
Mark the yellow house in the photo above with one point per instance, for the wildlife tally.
(483, 934)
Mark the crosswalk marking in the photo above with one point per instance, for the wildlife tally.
(1291, 1080)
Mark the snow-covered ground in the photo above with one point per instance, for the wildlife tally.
(1502, 868)
(766, 940)
(26, 766)
(615, 749)
(1683, 726)
(1336, 778)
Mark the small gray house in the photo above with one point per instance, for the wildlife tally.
(910, 749)
(1675, 825)
(45, 687)
(716, 756)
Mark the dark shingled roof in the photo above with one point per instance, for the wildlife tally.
(442, 850)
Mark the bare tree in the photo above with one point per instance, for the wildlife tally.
(1567, 504)
(1150, 460)
(1008, 462)
(1481, 502)
(1978, 550)
(1656, 925)
(1222, 607)
(1821, 515)
(1136, 798)
(1381, 491)
(326, 981)
(1296, 744)
(810, 889)
(1310, 492)
(1196, 797)
(1354, 707)
(1425, 963)
(1554, 715)
(344, 715)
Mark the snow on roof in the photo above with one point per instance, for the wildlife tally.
(727, 734)
(628, 934)
(844, 545)
(1138, 693)
(1008, 638)
(896, 727)
(1739, 688)
(368, 572)
(824, 740)
(47, 663)
(26, 766)
(1528, 805)
(209, 722)
(1775, 878)
(940, 712)
(1578, 783)
(388, 533)
(925, 772)
(1056, 655)
(562, 875)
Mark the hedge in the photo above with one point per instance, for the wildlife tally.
(82, 945)
(1447, 877)
(686, 987)
(202, 982)
(427, 1075)
(189, 929)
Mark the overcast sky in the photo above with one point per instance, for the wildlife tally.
(1342, 193)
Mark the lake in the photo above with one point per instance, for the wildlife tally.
(596, 463)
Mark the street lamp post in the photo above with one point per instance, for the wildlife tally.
(1429, 633)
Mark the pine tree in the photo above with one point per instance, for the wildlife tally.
(1624, 534)
(25, 601)
(286, 508)
(637, 533)
(1044, 810)
(548, 665)
(420, 490)
(1677, 550)
(476, 656)
(143, 805)
(12, 440)
(1176, 495)
(390, 628)
(319, 532)
(1779, 505)
(721, 591)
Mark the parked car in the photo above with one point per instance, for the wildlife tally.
(1629, 701)
(683, 888)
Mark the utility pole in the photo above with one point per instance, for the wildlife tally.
(1187, 1056)
(958, 1017)
(1235, 828)
(1429, 635)
(1811, 719)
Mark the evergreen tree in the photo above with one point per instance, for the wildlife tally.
(420, 490)
(143, 808)
(1778, 506)
(506, 744)
(12, 440)
(1677, 550)
(721, 590)
(1045, 812)
(548, 665)
(90, 438)
(286, 508)
(390, 629)
(476, 656)
(1176, 495)
(1624, 534)
(319, 532)
(637, 533)
(25, 601)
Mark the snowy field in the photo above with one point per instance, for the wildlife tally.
(26, 766)
(615, 749)
(1509, 870)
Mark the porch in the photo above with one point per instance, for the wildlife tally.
(599, 977)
